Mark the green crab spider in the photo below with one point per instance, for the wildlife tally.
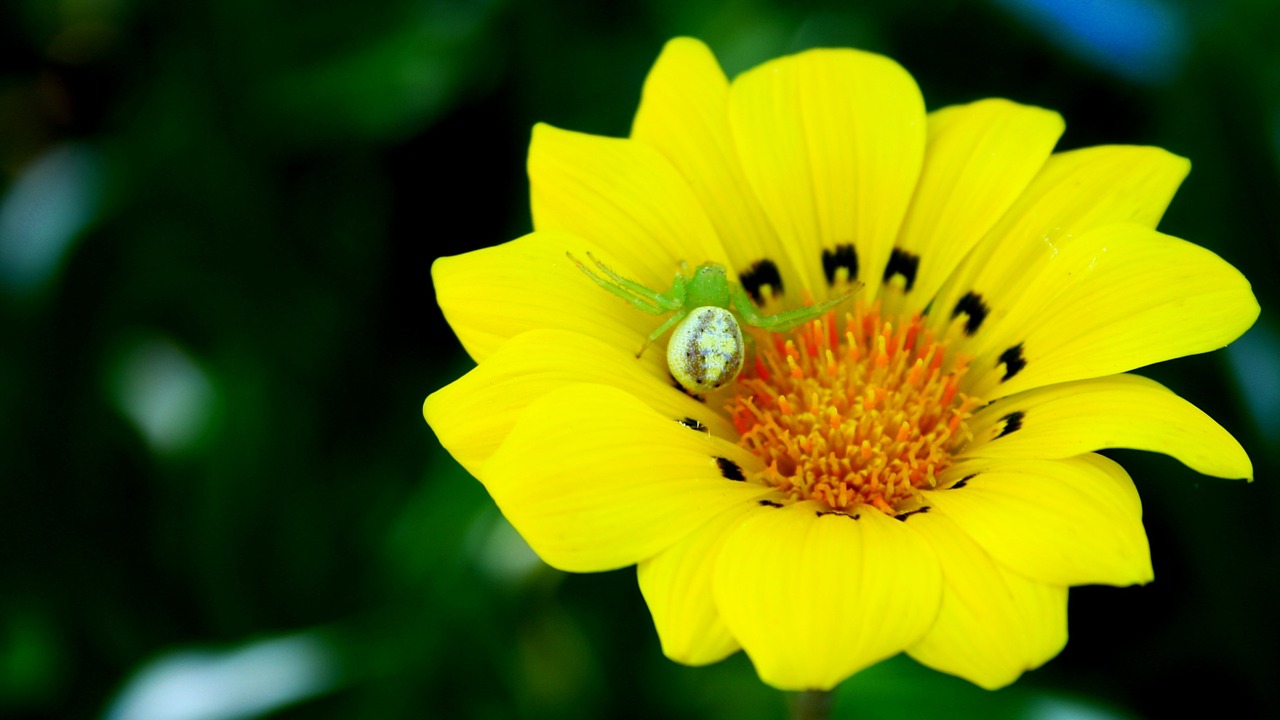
(706, 350)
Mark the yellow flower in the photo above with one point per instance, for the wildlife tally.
(913, 472)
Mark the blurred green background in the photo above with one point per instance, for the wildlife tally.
(217, 220)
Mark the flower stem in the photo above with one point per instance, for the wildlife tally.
(811, 705)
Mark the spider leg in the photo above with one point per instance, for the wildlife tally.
(676, 295)
(641, 297)
(672, 299)
(662, 300)
(665, 326)
(784, 320)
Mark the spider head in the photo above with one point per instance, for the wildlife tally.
(709, 286)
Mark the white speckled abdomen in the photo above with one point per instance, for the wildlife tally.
(705, 352)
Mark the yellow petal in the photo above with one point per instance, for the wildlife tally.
(677, 586)
(978, 160)
(1074, 192)
(1067, 522)
(993, 624)
(623, 196)
(1120, 411)
(682, 114)
(594, 479)
(814, 597)
(831, 142)
(489, 296)
(1114, 299)
(473, 415)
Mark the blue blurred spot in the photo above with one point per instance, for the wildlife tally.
(1140, 40)
(244, 682)
(45, 210)
(1255, 360)
(500, 551)
(166, 395)
(1050, 707)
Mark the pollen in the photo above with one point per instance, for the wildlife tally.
(869, 414)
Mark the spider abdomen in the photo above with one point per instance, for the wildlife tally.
(705, 352)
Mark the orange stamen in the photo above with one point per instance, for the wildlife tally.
(864, 416)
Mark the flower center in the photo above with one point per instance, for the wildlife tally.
(864, 418)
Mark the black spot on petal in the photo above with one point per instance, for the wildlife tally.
(823, 513)
(919, 511)
(974, 310)
(1013, 361)
(963, 481)
(1012, 423)
(902, 263)
(841, 256)
(693, 424)
(730, 469)
(770, 503)
(761, 273)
